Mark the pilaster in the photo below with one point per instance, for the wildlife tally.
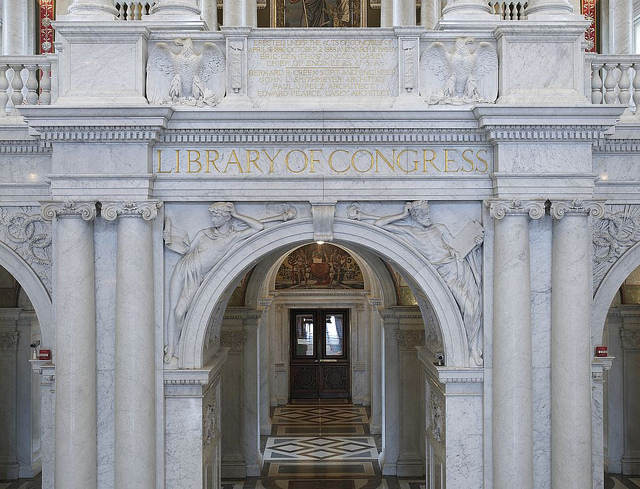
(9, 338)
(74, 356)
(408, 62)
(135, 416)
(630, 334)
(599, 366)
(391, 396)
(237, 89)
(571, 429)
(250, 402)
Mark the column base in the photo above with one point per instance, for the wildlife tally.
(631, 465)
(467, 10)
(233, 469)
(9, 471)
(410, 467)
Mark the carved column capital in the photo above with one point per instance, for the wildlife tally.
(577, 207)
(9, 341)
(498, 209)
(630, 339)
(68, 208)
(409, 339)
(233, 339)
(147, 210)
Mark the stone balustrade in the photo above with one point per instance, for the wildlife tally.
(613, 80)
(133, 10)
(508, 10)
(32, 86)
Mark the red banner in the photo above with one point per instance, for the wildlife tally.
(589, 11)
(47, 14)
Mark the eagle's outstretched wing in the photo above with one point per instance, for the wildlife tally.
(212, 70)
(436, 59)
(486, 59)
(160, 71)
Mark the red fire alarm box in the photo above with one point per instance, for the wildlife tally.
(44, 354)
(601, 351)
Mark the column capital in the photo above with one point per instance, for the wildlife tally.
(498, 209)
(9, 341)
(147, 210)
(234, 340)
(630, 339)
(68, 208)
(591, 208)
(409, 339)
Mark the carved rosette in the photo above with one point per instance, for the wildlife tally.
(499, 209)
(409, 340)
(69, 208)
(233, 340)
(577, 207)
(630, 339)
(436, 417)
(147, 210)
(613, 236)
(26, 233)
(9, 341)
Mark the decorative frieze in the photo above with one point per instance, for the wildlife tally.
(97, 133)
(211, 417)
(147, 210)
(9, 341)
(69, 208)
(613, 235)
(630, 339)
(541, 132)
(577, 207)
(437, 417)
(26, 233)
(233, 339)
(498, 209)
(409, 339)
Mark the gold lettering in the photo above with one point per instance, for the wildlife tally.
(177, 161)
(485, 162)
(426, 160)
(212, 161)
(313, 159)
(331, 160)
(390, 164)
(253, 160)
(191, 160)
(160, 170)
(286, 160)
(415, 162)
(233, 160)
(464, 157)
(354, 157)
(447, 161)
(271, 160)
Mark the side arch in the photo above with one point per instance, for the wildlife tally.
(608, 288)
(348, 232)
(35, 289)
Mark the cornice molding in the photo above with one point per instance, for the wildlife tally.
(98, 133)
(608, 146)
(69, 208)
(545, 132)
(147, 210)
(499, 209)
(24, 147)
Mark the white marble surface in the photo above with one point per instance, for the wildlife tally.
(620, 29)
(15, 27)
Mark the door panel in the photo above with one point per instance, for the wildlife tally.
(319, 354)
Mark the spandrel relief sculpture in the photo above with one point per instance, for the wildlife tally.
(186, 77)
(456, 258)
(460, 75)
(202, 253)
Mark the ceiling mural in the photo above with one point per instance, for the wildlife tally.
(319, 266)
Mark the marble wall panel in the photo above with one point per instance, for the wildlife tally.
(544, 158)
(82, 158)
(104, 68)
(548, 60)
(617, 167)
(21, 168)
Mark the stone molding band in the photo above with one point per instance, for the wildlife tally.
(147, 210)
(498, 209)
(69, 208)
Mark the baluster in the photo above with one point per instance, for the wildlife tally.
(596, 83)
(32, 84)
(610, 84)
(45, 84)
(500, 11)
(624, 83)
(17, 84)
(636, 86)
(4, 85)
(120, 7)
(139, 11)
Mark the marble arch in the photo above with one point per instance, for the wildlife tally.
(346, 232)
(608, 288)
(34, 288)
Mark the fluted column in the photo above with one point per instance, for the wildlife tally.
(75, 353)
(15, 27)
(93, 9)
(135, 420)
(571, 431)
(512, 344)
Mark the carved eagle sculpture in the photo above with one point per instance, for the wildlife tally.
(185, 77)
(460, 70)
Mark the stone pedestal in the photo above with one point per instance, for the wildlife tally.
(75, 358)
(135, 416)
(571, 430)
(512, 344)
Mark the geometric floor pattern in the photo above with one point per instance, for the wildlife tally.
(621, 482)
(320, 449)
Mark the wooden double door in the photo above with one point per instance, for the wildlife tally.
(319, 354)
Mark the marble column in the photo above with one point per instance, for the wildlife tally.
(210, 14)
(250, 404)
(235, 13)
(549, 10)
(621, 26)
(375, 420)
(429, 13)
(571, 431)
(135, 415)
(9, 338)
(467, 10)
(386, 13)
(403, 13)
(176, 9)
(390, 395)
(15, 27)
(598, 368)
(630, 334)
(75, 353)
(93, 10)
(512, 344)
